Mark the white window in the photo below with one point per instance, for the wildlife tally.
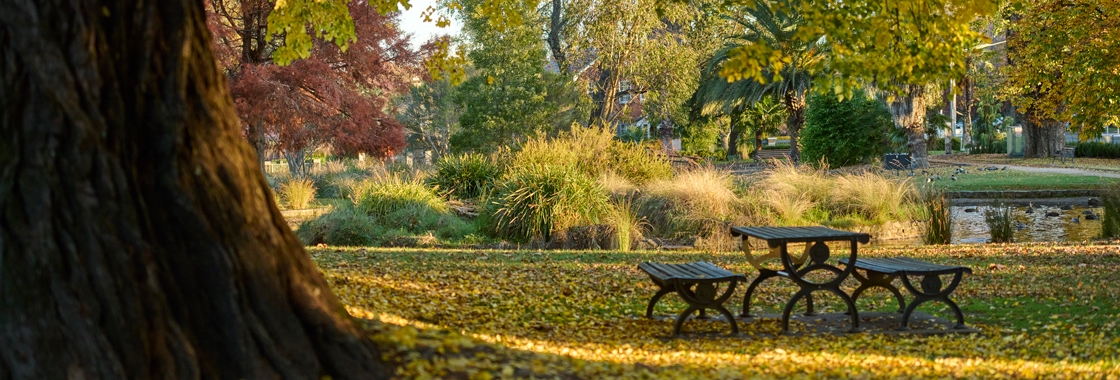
(624, 98)
(623, 85)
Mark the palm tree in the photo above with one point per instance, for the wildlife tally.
(775, 27)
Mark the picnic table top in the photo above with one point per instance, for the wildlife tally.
(778, 235)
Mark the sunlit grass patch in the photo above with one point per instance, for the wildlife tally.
(579, 314)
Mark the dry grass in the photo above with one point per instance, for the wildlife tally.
(690, 202)
(297, 193)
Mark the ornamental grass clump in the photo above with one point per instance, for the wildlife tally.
(382, 195)
(595, 151)
(938, 227)
(626, 225)
(1110, 221)
(693, 203)
(464, 176)
(875, 198)
(534, 201)
(999, 223)
(297, 193)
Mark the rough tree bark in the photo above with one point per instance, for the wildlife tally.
(909, 113)
(1042, 137)
(795, 106)
(137, 235)
(733, 136)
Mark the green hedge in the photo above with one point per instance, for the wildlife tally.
(844, 132)
(1097, 150)
(938, 143)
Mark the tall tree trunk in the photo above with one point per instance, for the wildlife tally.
(1042, 137)
(733, 137)
(256, 138)
(909, 112)
(138, 238)
(297, 162)
(605, 97)
(555, 25)
(795, 106)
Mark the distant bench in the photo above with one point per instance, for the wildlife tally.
(882, 271)
(770, 154)
(1063, 154)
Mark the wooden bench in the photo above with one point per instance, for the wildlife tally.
(696, 284)
(772, 154)
(881, 272)
(1063, 154)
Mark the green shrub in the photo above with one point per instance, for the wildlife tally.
(343, 226)
(938, 143)
(845, 132)
(987, 144)
(535, 201)
(380, 196)
(297, 193)
(464, 176)
(1097, 150)
(999, 224)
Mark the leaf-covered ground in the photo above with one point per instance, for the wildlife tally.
(1044, 310)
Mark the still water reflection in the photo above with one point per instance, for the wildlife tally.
(969, 226)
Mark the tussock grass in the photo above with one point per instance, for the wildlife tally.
(690, 203)
(998, 220)
(381, 195)
(534, 201)
(938, 226)
(465, 176)
(1110, 221)
(874, 197)
(626, 224)
(297, 193)
(594, 151)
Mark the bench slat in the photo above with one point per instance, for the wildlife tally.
(897, 265)
(690, 271)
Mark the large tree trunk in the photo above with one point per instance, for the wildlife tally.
(733, 136)
(138, 238)
(1042, 137)
(795, 106)
(909, 112)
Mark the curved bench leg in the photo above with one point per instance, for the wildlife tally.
(874, 279)
(680, 319)
(653, 301)
(789, 308)
(932, 290)
(763, 275)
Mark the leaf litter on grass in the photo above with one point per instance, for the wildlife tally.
(1045, 310)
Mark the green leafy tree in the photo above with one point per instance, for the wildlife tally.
(429, 116)
(845, 132)
(509, 96)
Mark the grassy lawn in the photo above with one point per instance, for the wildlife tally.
(1104, 164)
(1045, 311)
(1006, 180)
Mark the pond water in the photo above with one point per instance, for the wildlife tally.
(969, 227)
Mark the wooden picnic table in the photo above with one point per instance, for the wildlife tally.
(795, 268)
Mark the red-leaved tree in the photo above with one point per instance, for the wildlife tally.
(336, 99)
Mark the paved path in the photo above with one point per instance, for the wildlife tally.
(1032, 169)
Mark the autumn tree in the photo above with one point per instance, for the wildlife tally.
(1068, 77)
(334, 98)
